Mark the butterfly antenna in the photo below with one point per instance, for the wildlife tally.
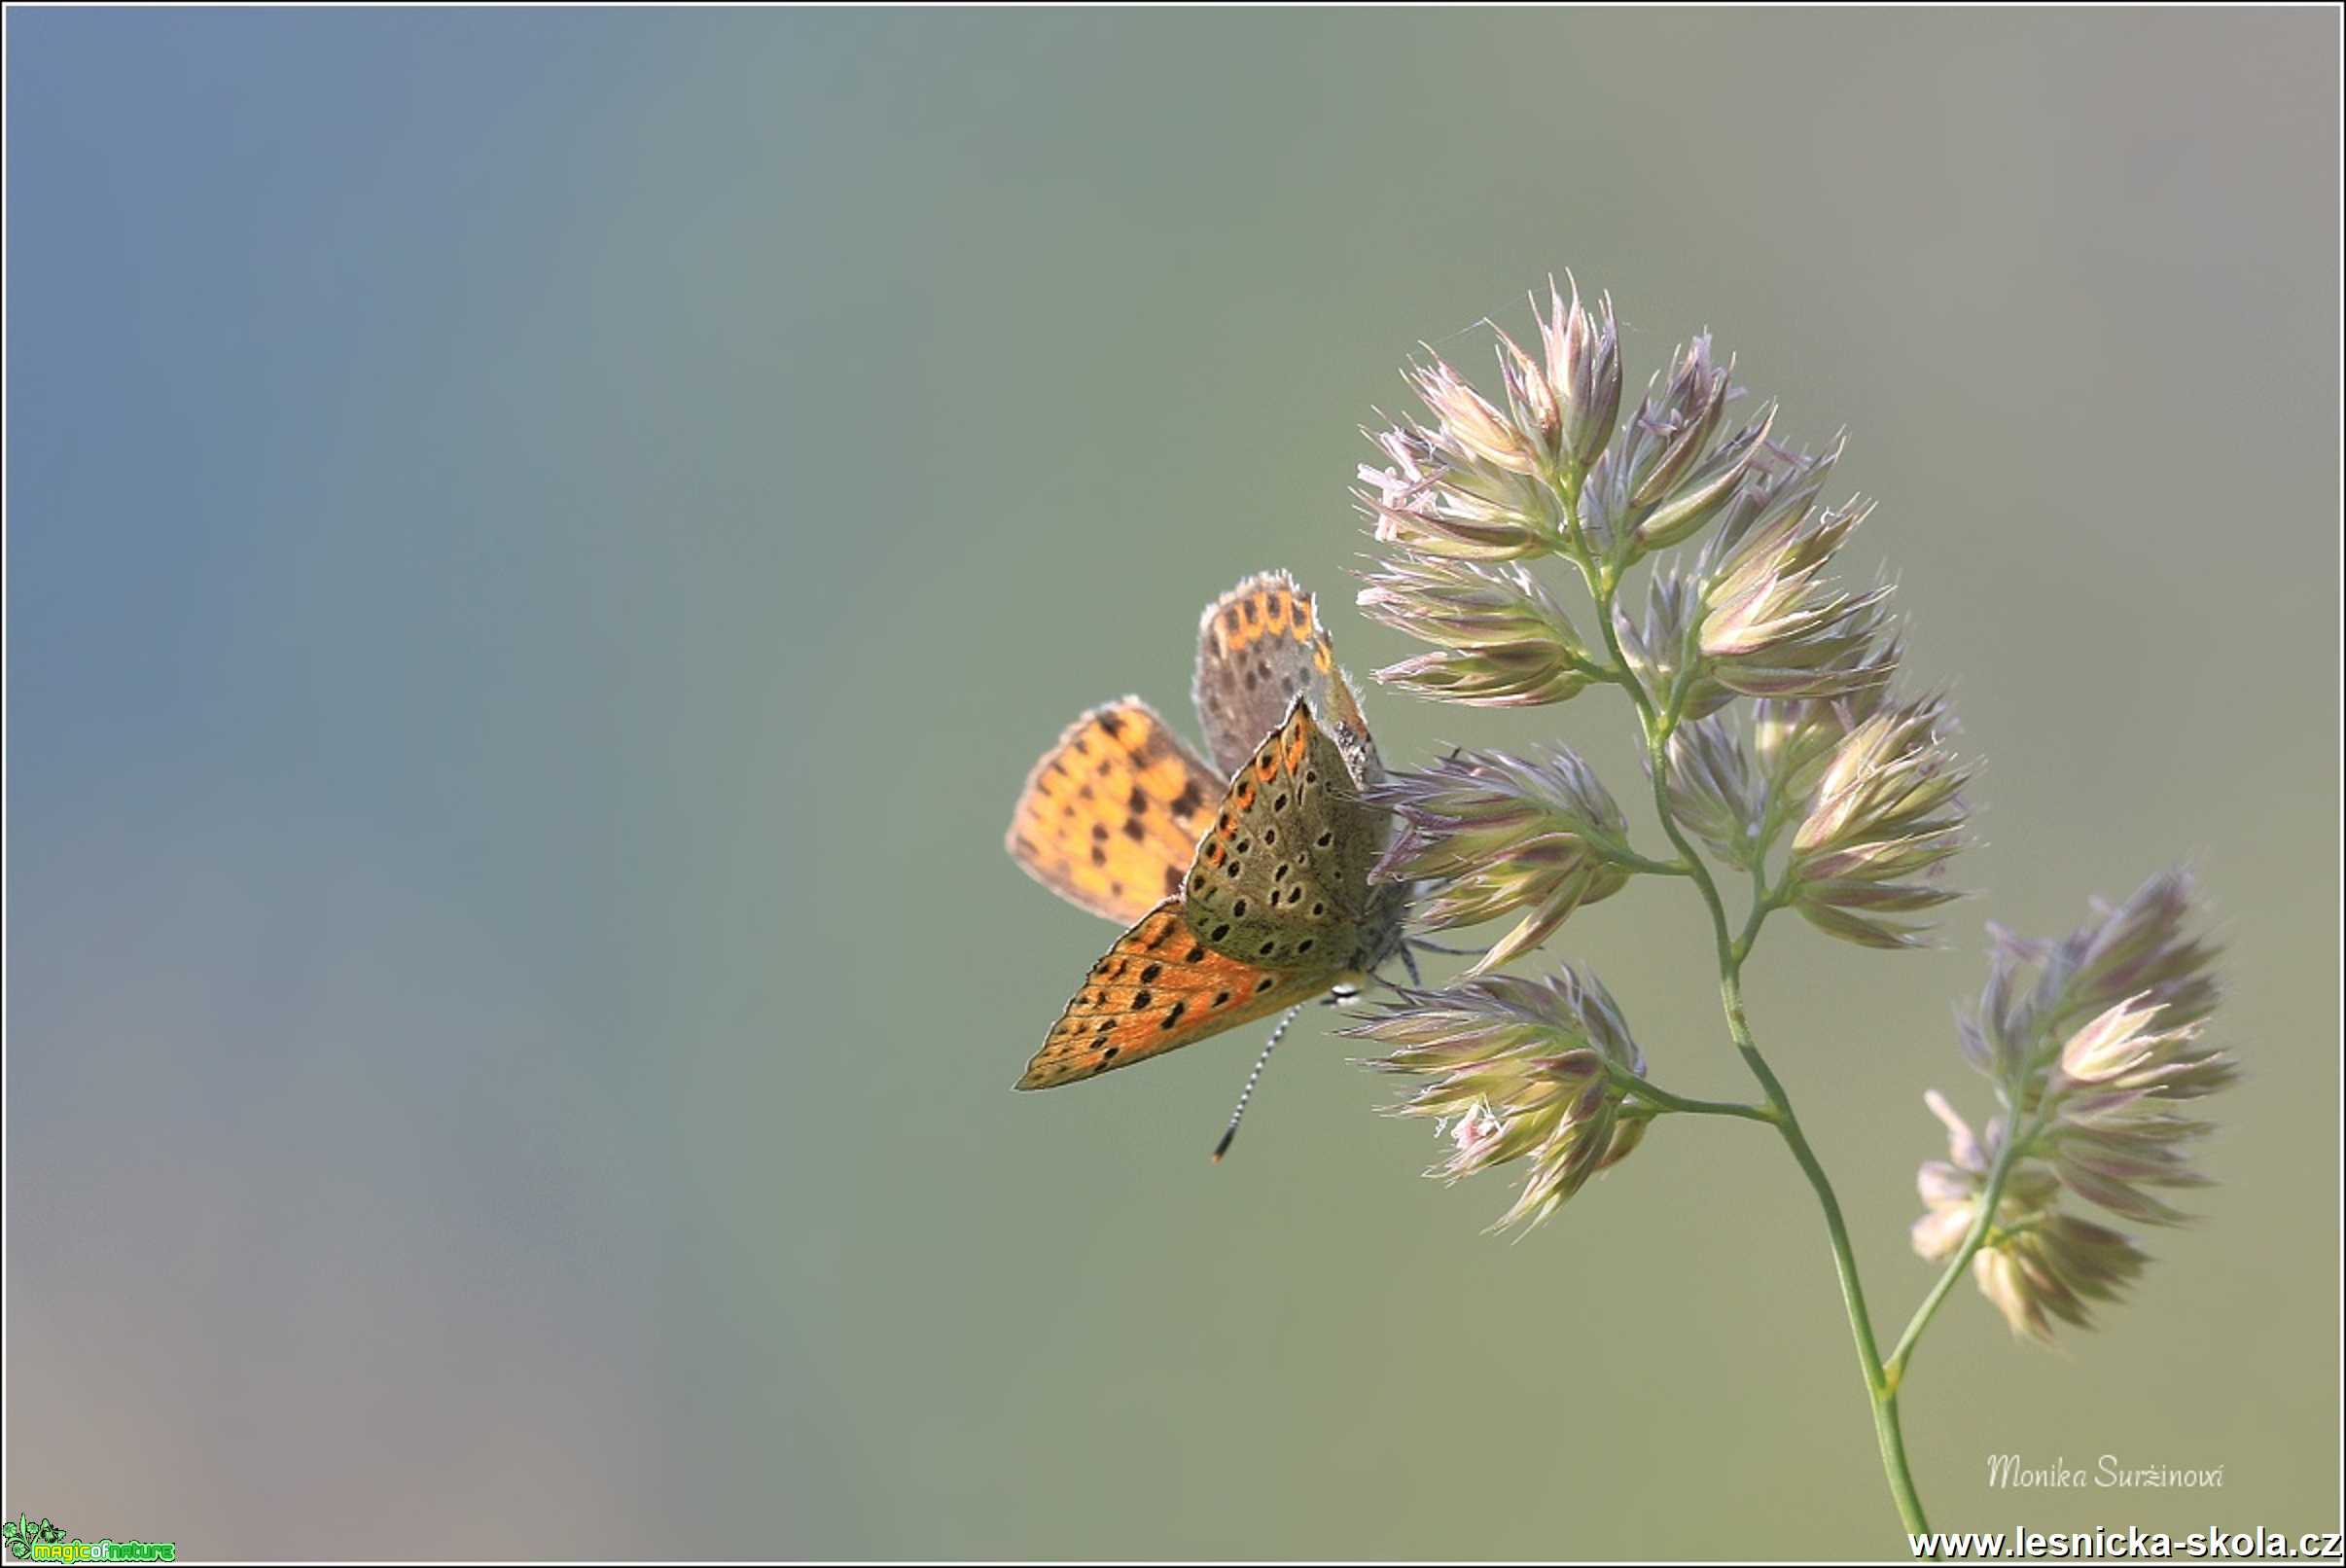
(1230, 1133)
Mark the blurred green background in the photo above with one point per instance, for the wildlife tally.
(544, 544)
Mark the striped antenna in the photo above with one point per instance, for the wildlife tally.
(1230, 1132)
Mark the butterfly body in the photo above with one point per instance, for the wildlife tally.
(1245, 881)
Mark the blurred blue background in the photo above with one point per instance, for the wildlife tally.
(542, 544)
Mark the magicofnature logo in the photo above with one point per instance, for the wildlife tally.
(42, 1541)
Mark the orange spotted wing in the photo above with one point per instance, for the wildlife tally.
(1110, 816)
(1259, 646)
(1159, 988)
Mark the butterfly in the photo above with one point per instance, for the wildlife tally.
(1245, 883)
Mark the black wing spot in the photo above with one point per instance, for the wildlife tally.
(1221, 931)
(1173, 1014)
(1137, 803)
(1239, 910)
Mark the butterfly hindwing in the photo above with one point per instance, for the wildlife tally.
(1259, 646)
(1281, 878)
(1159, 988)
(1110, 817)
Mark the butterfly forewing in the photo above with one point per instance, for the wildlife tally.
(1160, 987)
(1111, 815)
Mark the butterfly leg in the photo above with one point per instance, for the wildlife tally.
(1408, 962)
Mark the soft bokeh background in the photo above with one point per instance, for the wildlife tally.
(543, 545)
